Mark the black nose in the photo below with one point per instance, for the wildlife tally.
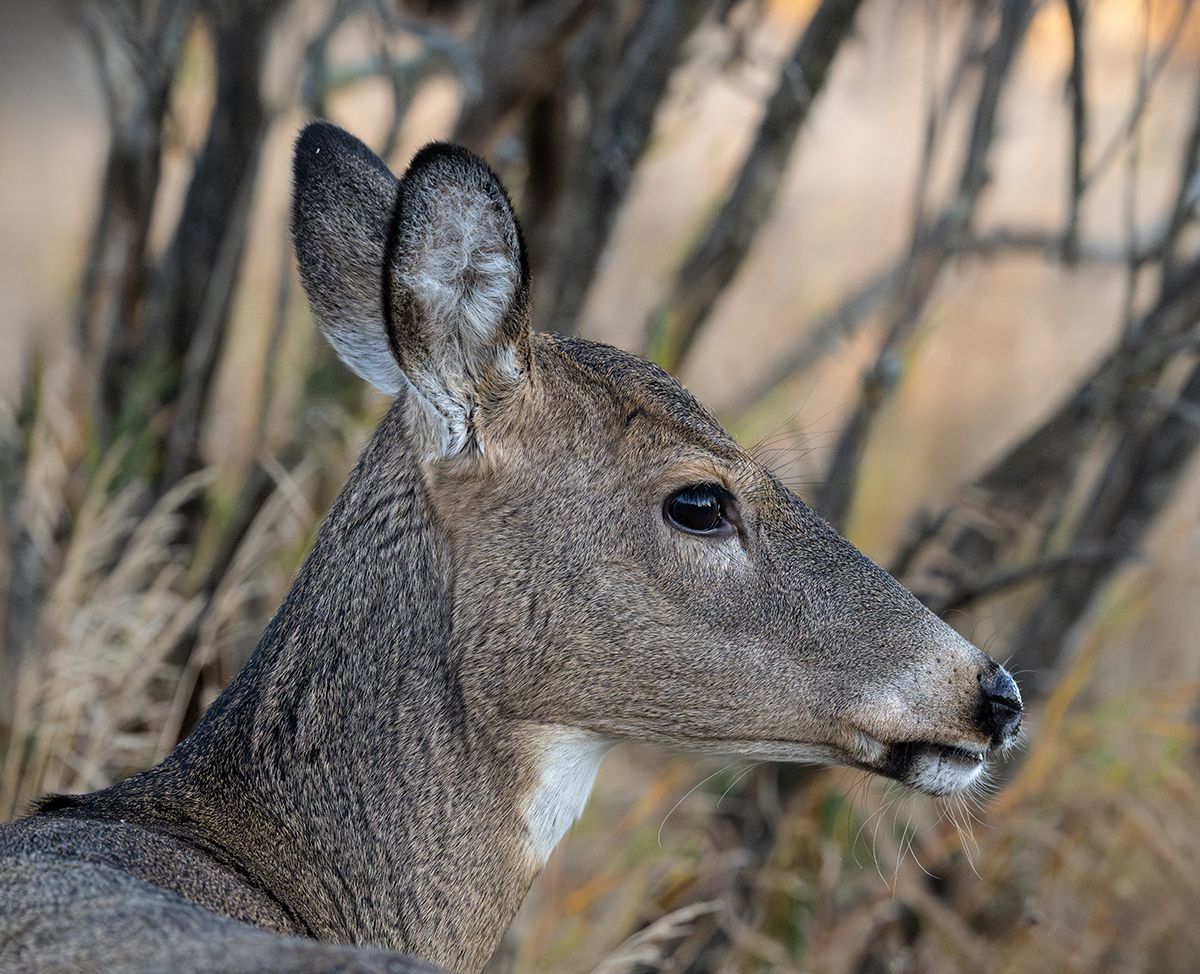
(1002, 708)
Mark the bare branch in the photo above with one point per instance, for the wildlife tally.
(990, 518)
(1139, 478)
(1046, 567)
(712, 264)
(839, 323)
(1133, 155)
(844, 320)
(441, 52)
(186, 311)
(136, 46)
(406, 78)
(1183, 209)
(316, 85)
(930, 252)
(623, 99)
(517, 47)
(1150, 75)
(1077, 89)
(207, 335)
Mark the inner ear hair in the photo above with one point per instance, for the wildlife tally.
(456, 289)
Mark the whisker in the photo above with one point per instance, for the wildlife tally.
(690, 791)
(733, 784)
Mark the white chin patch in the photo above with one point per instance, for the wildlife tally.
(567, 760)
(944, 771)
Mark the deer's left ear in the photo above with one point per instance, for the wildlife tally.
(456, 298)
(343, 201)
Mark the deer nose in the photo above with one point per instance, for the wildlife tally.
(1002, 707)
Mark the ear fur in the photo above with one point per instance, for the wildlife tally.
(343, 198)
(424, 280)
(457, 298)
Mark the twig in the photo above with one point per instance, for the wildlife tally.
(1183, 209)
(316, 83)
(1047, 566)
(441, 52)
(187, 309)
(1133, 154)
(836, 324)
(623, 98)
(1044, 242)
(923, 527)
(516, 49)
(924, 267)
(406, 78)
(989, 518)
(933, 116)
(1182, 409)
(711, 265)
(208, 335)
(1077, 89)
(279, 323)
(1138, 480)
(1152, 72)
(844, 320)
(135, 47)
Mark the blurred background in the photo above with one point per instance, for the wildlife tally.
(938, 261)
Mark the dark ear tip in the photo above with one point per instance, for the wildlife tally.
(322, 147)
(445, 159)
(435, 153)
(320, 132)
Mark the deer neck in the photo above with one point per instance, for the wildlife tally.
(370, 793)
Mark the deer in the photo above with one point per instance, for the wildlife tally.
(548, 546)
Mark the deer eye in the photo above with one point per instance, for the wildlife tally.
(699, 509)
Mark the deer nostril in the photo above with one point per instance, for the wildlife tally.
(1003, 709)
(999, 687)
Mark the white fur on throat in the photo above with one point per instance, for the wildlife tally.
(567, 762)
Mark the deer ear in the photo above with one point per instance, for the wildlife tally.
(342, 204)
(424, 280)
(456, 298)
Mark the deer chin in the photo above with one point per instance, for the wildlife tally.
(935, 769)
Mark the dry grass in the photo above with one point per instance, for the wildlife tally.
(107, 690)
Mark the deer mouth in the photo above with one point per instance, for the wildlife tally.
(939, 768)
(936, 769)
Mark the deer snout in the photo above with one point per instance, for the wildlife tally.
(1002, 707)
